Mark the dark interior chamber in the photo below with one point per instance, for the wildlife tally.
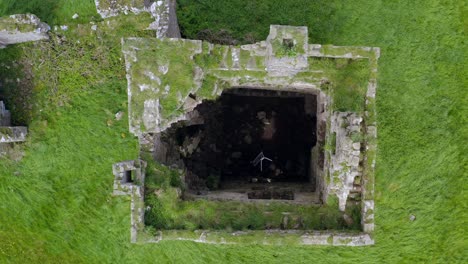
(276, 126)
(220, 152)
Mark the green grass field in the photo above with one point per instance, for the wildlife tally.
(56, 204)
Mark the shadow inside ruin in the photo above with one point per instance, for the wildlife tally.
(249, 144)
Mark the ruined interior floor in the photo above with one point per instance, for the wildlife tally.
(218, 154)
(239, 192)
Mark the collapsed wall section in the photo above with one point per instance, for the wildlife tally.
(21, 28)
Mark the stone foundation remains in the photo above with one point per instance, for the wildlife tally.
(169, 80)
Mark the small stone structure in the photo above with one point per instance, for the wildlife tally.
(169, 78)
(129, 179)
(9, 134)
(127, 175)
(21, 28)
(284, 62)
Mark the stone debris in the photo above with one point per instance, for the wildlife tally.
(190, 104)
(191, 144)
(285, 221)
(357, 146)
(119, 115)
(348, 220)
(163, 69)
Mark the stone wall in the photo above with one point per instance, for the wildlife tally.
(21, 28)
(344, 165)
(370, 127)
(268, 237)
(318, 155)
(134, 188)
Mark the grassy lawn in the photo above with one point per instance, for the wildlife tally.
(56, 205)
(53, 12)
